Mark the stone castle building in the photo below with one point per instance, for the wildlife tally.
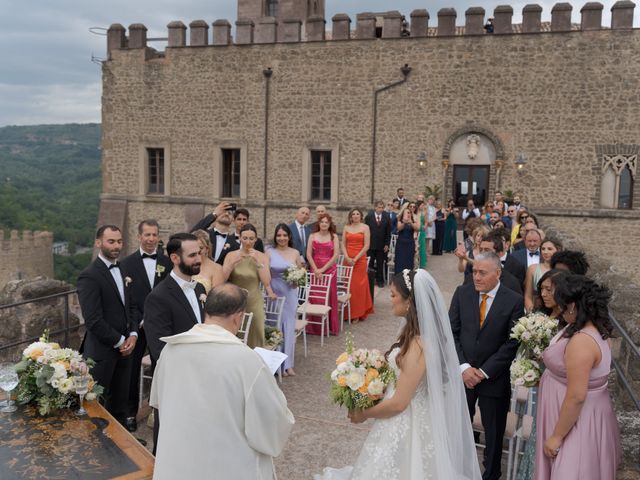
(297, 109)
(25, 256)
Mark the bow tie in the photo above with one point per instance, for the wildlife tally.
(220, 234)
(190, 285)
(152, 256)
(114, 265)
(533, 254)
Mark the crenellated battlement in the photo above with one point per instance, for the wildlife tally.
(369, 25)
(25, 254)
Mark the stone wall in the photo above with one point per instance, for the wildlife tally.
(25, 255)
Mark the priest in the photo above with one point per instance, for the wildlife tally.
(223, 414)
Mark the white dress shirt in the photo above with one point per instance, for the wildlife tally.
(533, 259)
(117, 277)
(149, 266)
(491, 295)
(220, 243)
(188, 288)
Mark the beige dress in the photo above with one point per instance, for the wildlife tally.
(245, 275)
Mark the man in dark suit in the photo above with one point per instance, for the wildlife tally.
(482, 315)
(147, 268)
(300, 231)
(222, 238)
(530, 255)
(491, 243)
(400, 197)
(509, 264)
(240, 219)
(380, 228)
(177, 303)
(110, 319)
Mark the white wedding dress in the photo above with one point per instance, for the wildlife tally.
(432, 437)
(397, 448)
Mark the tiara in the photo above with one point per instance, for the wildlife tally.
(407, 279)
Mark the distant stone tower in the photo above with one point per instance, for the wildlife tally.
(255, 10)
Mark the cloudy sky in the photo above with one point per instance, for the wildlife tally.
(46, 49)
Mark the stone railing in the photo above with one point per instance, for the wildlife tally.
(393, 25)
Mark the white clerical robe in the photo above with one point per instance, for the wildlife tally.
(222, 414)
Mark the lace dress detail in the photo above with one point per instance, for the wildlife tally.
(397, 448)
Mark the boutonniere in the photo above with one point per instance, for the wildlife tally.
(160, 269)
(226, 246)
(203, 299)
(127, 281)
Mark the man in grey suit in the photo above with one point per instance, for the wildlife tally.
(300, 231)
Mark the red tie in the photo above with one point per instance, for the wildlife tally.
(378, 220)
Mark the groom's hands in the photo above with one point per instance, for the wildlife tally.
(472, 377)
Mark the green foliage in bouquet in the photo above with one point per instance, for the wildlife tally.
(272, 337)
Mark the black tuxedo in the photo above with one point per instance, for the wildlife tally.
(204, 224)
(167, 312)
(515, 268)
(140, 288)
(107, 319)
(402, 200)
(380, 238)
(259, 245)
(520, 256)
(490, 349)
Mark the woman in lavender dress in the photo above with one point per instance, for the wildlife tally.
(577, 431)
(281, 257)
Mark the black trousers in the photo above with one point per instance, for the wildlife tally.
(378, 257)
(494, 421)
(136, 362)
(114, 374)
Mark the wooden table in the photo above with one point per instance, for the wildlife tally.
(65, 446)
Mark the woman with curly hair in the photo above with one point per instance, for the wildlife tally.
(577, 431)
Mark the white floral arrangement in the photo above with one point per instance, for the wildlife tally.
(534, 332)
(525, 372)
(272, 337)
(46, 374)
(295, 276)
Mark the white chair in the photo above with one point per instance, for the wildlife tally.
(145, 364)
(391, 259)
(344, 274)
(318, 292)
(243, 331)
(273, 316)
(510, 434)
(301, 324)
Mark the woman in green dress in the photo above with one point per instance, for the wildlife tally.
(422, 208)
(246, 268)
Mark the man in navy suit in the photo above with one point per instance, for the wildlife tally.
(300, 231)
(379, 224)
(482, 315)
(110, 319)
(147, 268)
(531, 254)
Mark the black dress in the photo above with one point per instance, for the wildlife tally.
(405, 249)
(439, 240)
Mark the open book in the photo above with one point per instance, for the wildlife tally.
(273, 359)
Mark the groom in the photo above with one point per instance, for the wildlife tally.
(482, 315)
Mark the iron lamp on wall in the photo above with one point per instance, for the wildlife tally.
(422, 160)
(520, 162)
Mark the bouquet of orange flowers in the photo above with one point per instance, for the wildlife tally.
(361, 377)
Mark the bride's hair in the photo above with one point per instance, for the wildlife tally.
(403, 281)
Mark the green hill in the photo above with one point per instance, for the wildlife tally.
(50, 180)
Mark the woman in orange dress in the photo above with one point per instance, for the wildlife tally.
(355, 244)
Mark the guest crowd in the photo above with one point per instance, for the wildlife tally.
(509, 266)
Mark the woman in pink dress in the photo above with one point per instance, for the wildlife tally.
(323, 249)
(577, 431)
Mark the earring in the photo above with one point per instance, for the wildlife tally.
(572, 310)
(408, 305)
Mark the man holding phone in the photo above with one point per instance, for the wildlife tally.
(218, 224)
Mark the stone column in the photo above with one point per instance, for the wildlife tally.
(474, 21)
(366, 25)
(502, 16)
(198, 33)
(591, 16)
(392, 26)
(221, 32)
(244, 32)
(622, 14)
(266, 30)
(341, 27)
(137, 35)
(177, 34)
(116, 38)
(447, 22)
(419, 23)
(531, 18)
(561, 17)
(315, 28)
(290, 30)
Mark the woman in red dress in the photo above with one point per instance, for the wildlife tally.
(355, 244)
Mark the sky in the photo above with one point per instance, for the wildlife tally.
(46, 48)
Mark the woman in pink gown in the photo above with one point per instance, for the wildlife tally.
(577, 431)
(323, 249)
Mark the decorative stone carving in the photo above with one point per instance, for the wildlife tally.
(473, 144)
(620, 162)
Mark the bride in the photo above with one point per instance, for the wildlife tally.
(422, 429)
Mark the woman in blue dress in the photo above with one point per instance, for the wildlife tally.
(405, 245)
(281, 257)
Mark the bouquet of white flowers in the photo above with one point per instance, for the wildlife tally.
(46, 374)
(360, 378)
(272, 337)
(295, 276)
(525, 372)
(534, 332)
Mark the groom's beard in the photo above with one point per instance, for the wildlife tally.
(190, 270)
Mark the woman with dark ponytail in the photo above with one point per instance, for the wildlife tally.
(577, 431)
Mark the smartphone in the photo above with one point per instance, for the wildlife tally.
(232, 207)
